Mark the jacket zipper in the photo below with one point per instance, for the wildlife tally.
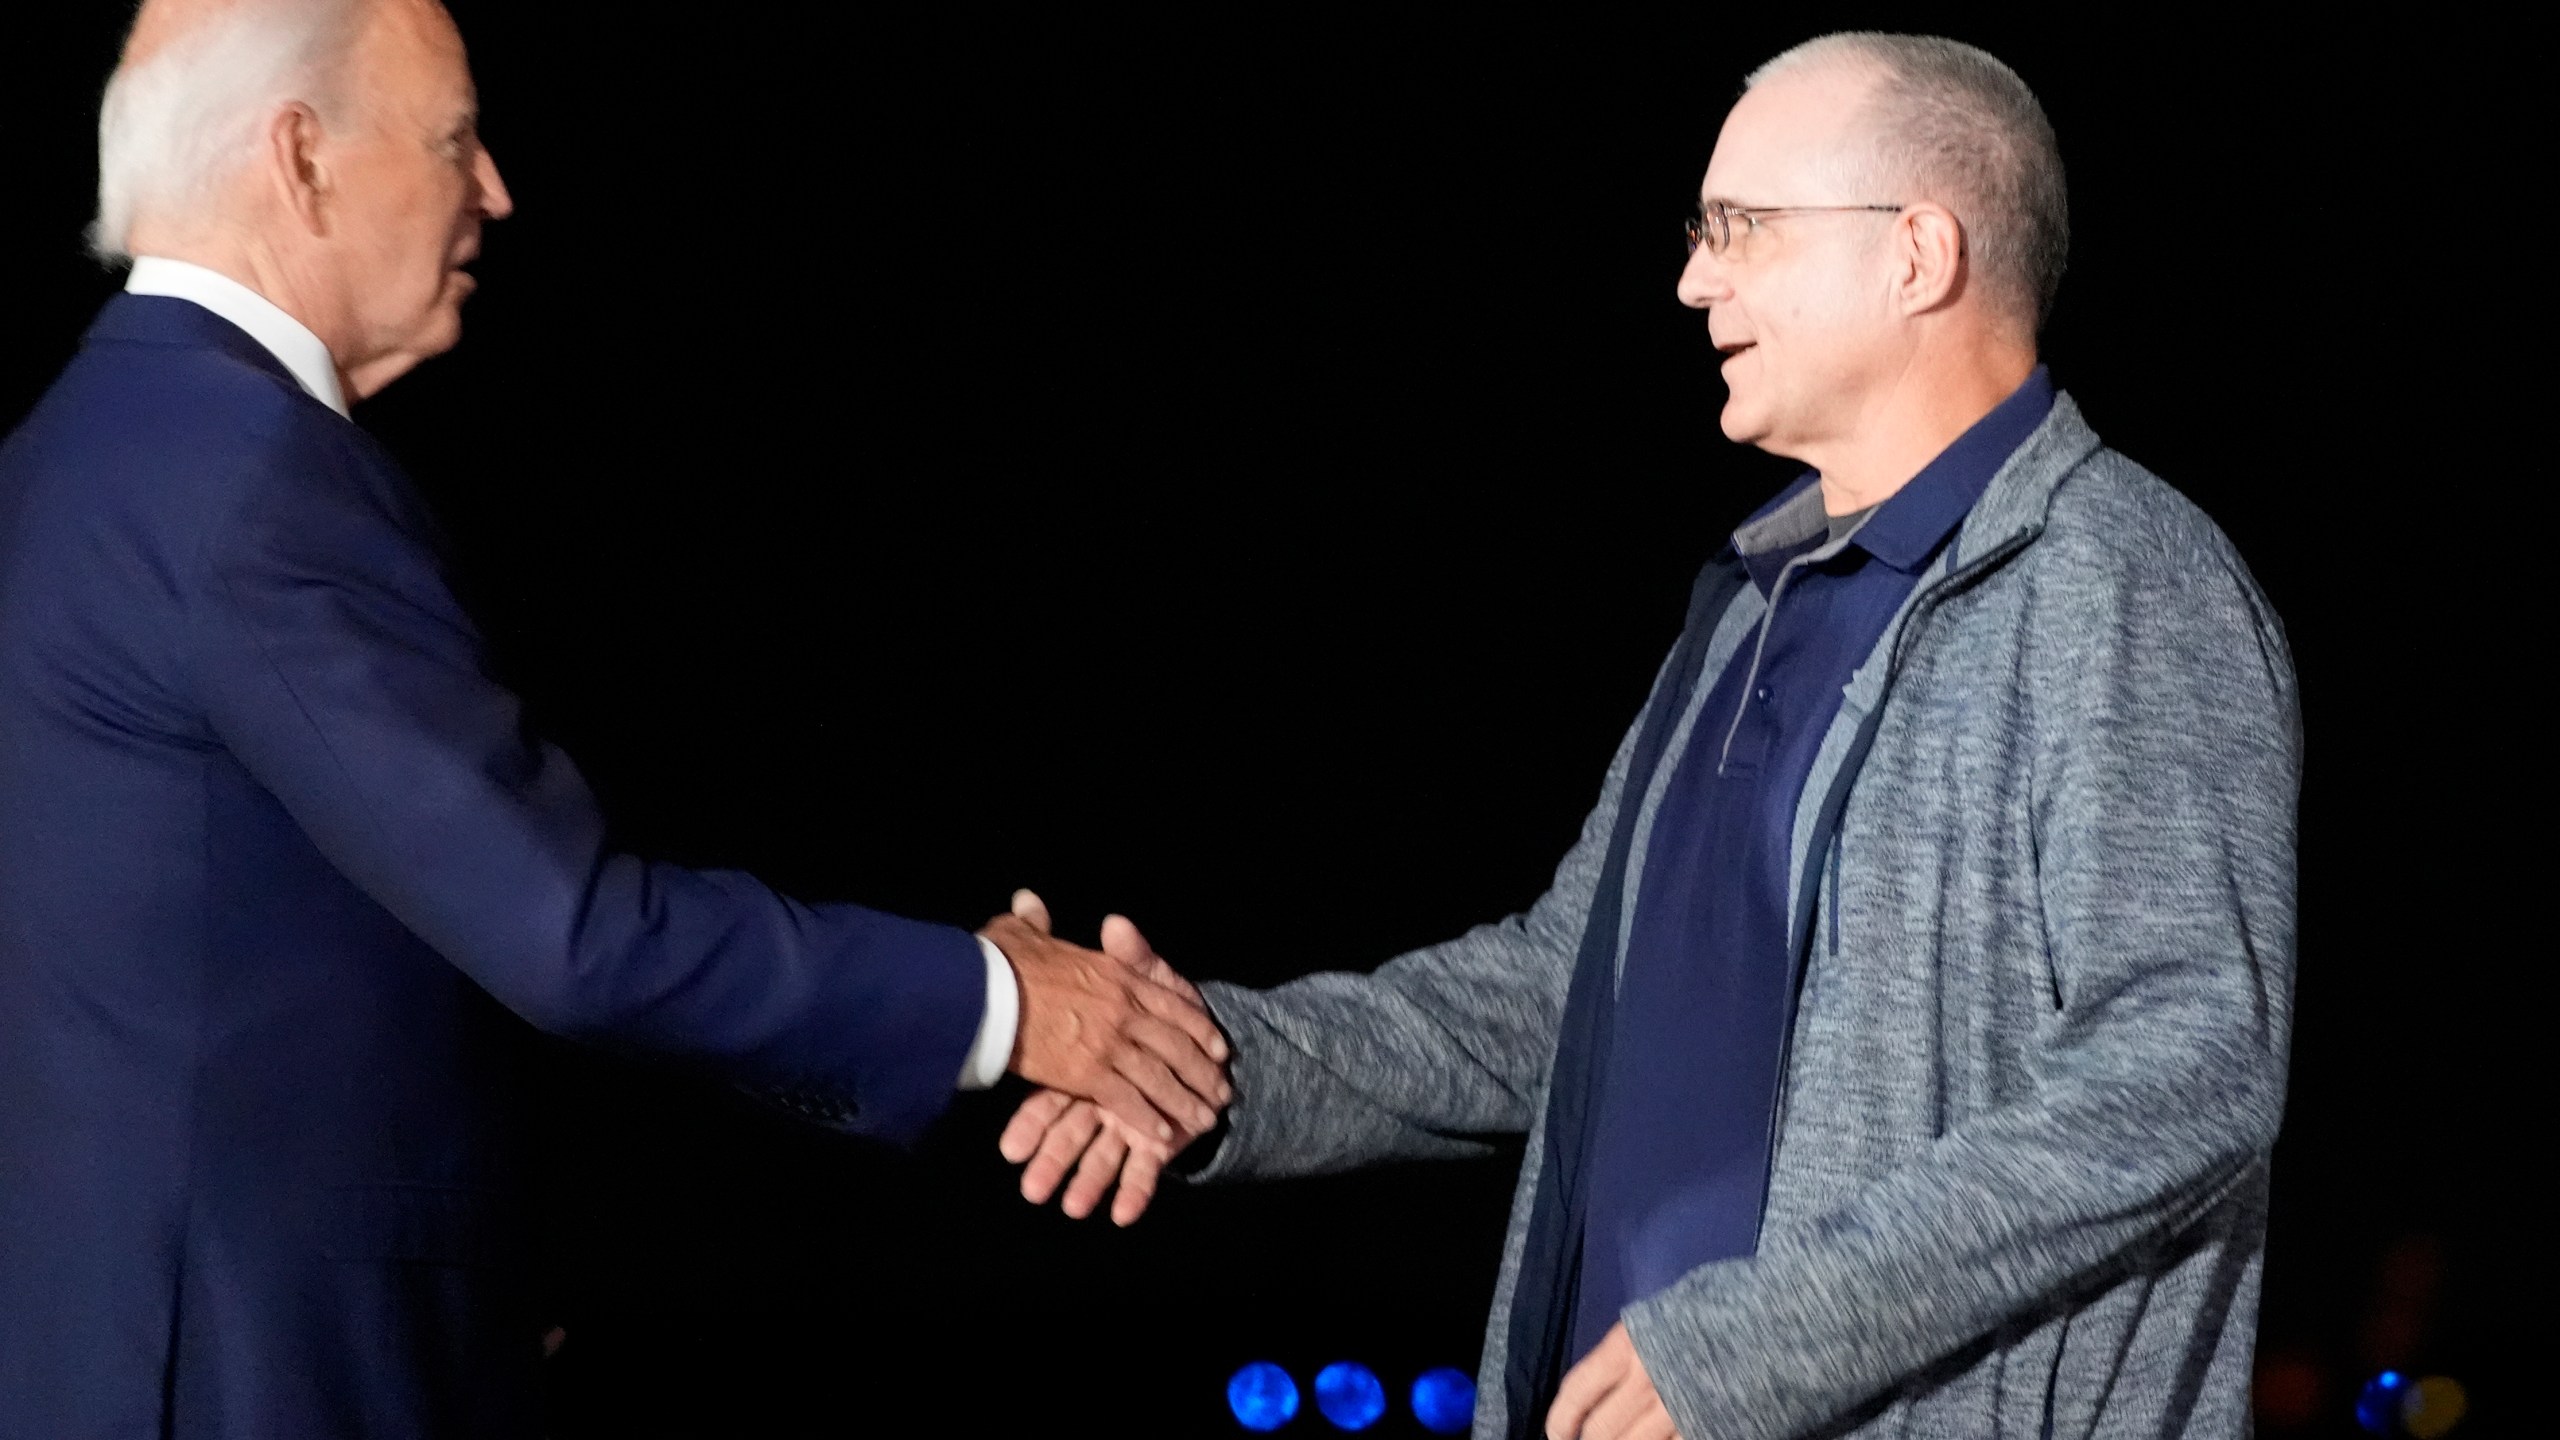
(1921, 609)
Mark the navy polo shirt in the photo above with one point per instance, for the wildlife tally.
(1679, 1163)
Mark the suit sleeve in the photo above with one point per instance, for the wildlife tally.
(333, 662)
(1421, 1058)
(2166, 762)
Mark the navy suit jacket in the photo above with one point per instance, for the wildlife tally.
(277, 861)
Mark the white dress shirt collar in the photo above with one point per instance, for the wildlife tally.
(286, 338)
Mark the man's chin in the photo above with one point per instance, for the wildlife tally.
(440, 333)
(1742, 424)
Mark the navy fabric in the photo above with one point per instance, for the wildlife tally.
(1543, 1303)
(1680, 1155)
(277, 861)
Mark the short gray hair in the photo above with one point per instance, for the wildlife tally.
(176, 125)
(1954, 125)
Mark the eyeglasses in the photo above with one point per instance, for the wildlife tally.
(1712, 227)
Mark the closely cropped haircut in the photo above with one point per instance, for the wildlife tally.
(1951, 124)
(176, 125)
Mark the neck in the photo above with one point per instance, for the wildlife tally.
(1934, 399)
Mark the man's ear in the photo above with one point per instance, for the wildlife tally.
(294, 166)
(1929, 243)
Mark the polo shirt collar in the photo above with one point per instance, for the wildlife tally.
(1909, 527)
(1906, 529)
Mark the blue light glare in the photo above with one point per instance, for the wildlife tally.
(2378, 1408)
(1350, 1396)
(1263, 1396)
(1444, 1401)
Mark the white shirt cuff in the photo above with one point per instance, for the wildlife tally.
(994, 1048)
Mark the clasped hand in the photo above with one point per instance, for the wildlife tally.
(1131, 1067)
(1124, 1133)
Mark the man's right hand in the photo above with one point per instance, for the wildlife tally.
(1092, 1026)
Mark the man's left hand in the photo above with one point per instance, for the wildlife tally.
(1609, 1397)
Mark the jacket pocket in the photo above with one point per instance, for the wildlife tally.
(423, 1224)
(1831, 883)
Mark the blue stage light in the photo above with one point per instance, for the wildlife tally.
(1263, 1396)
(1445, 1401)
(2378, 1408)
(1350, 1396)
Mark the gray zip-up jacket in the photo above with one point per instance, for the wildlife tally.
(2020, 1168)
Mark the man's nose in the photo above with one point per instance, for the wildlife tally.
(1703, 283)
(495, 202)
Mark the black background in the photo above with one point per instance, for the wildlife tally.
(1243, 471)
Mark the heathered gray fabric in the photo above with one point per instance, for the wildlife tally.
(2039, 1059)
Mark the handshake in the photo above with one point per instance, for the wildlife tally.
(1131, 1067)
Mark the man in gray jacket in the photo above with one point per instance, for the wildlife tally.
(1901, 1046)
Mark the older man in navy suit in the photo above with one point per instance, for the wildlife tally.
(277, 858)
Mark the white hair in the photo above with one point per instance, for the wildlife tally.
(173, 128)
(1950, 123)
